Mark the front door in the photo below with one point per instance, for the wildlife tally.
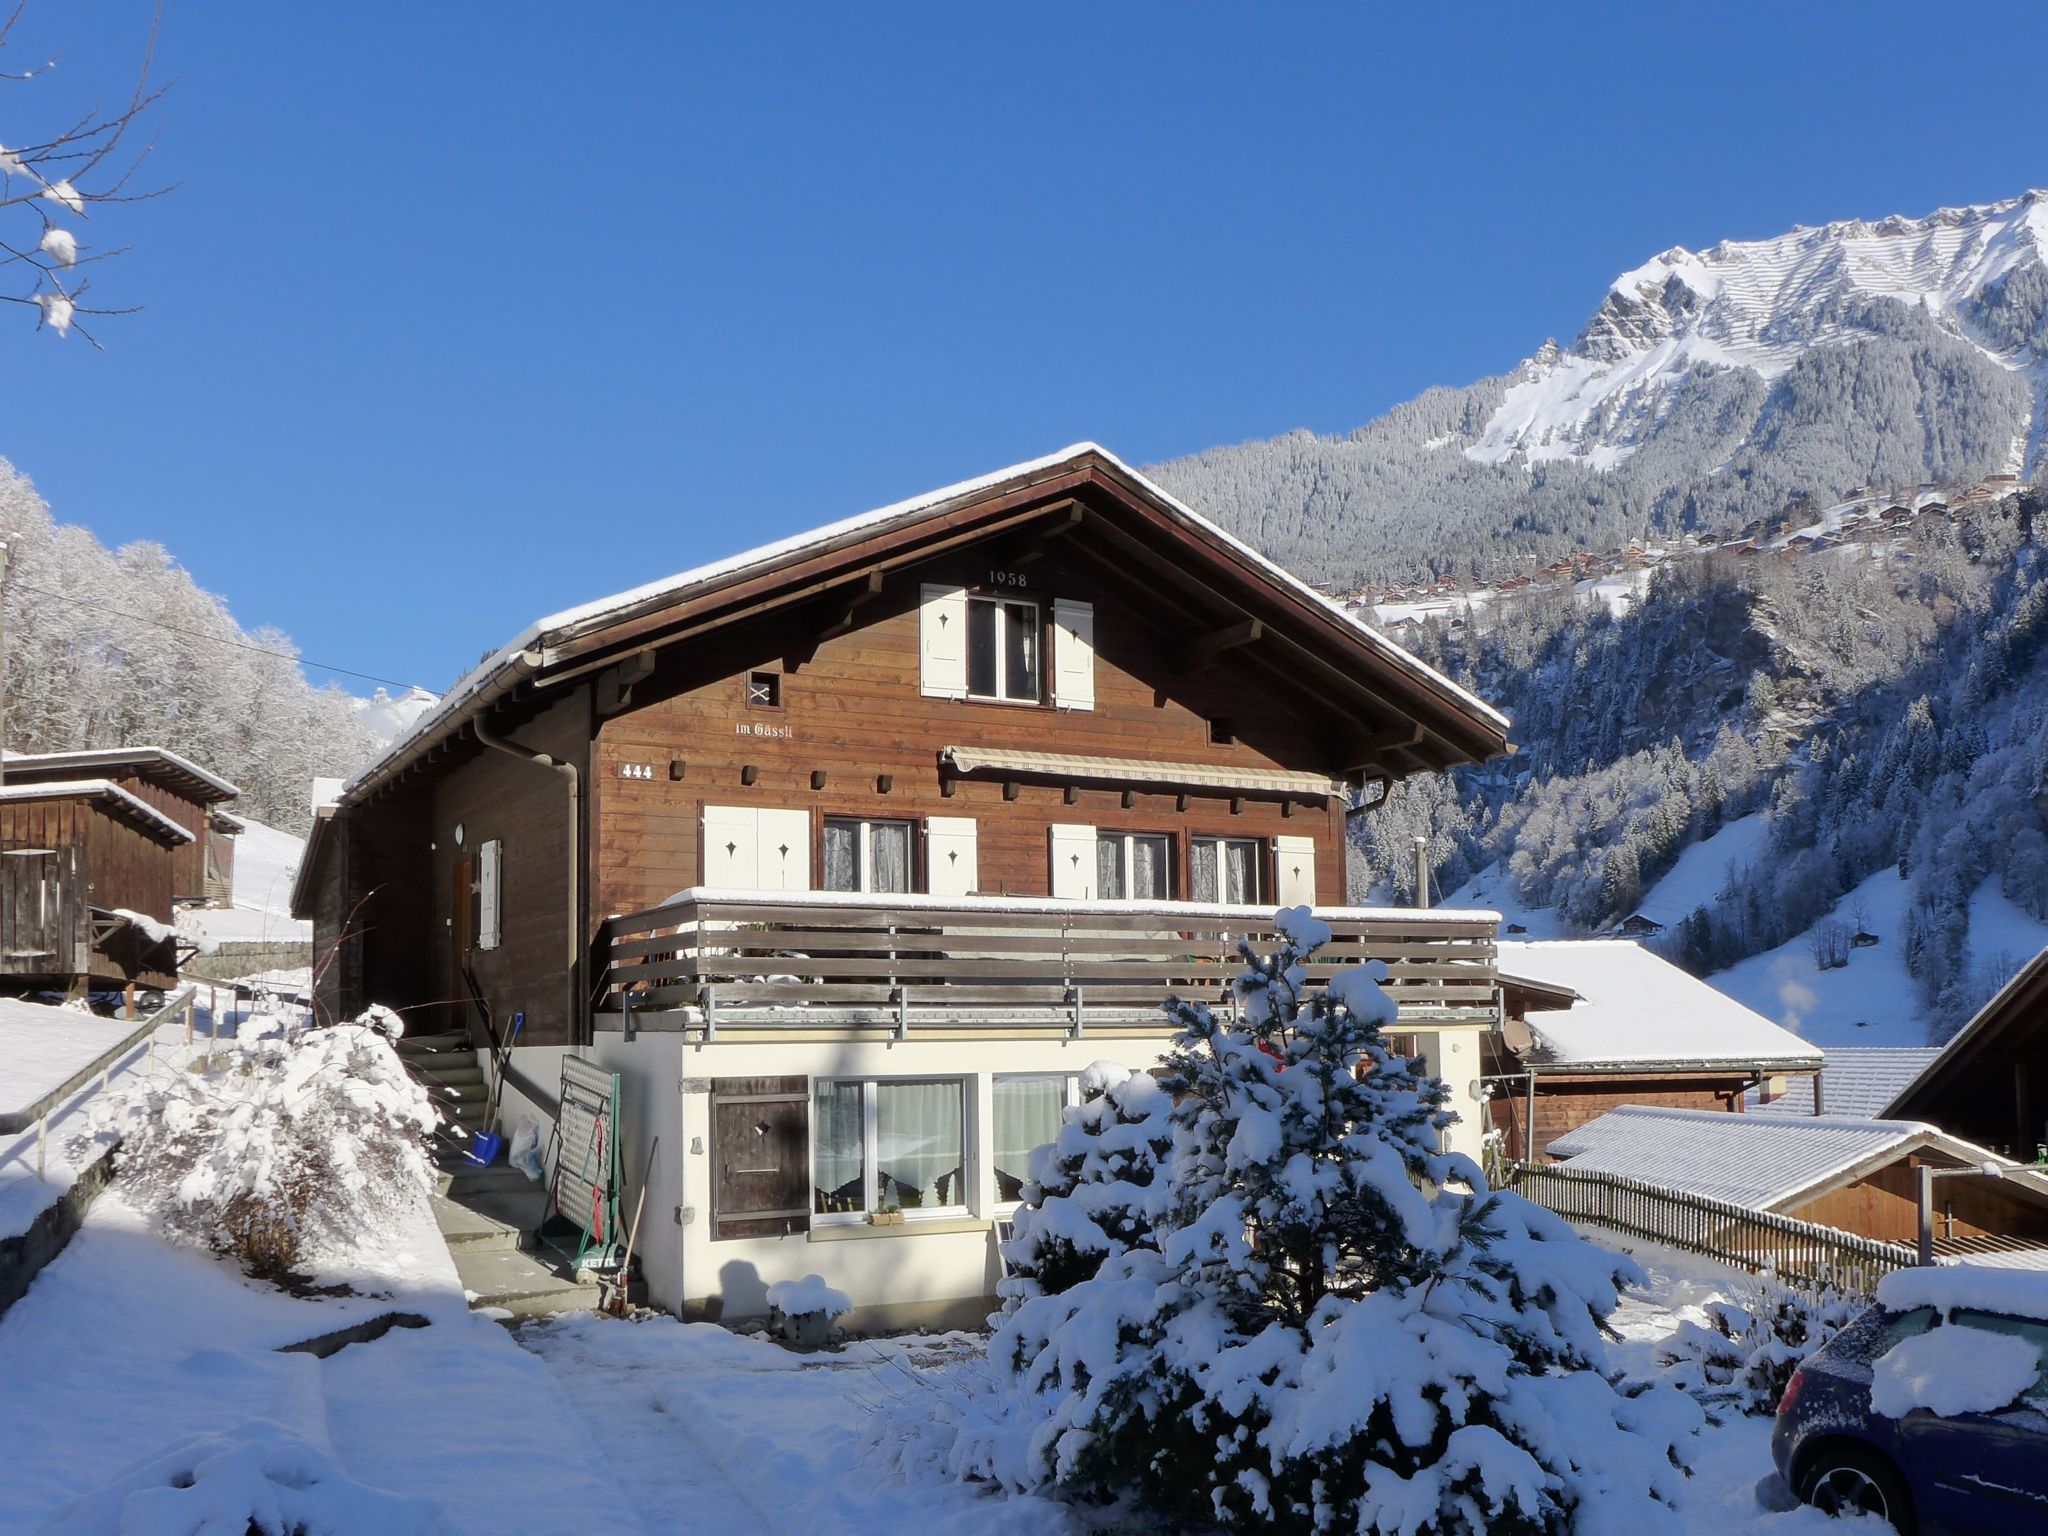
(459, 940)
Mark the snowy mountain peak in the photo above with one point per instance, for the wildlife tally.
(387, 718)
(1760, 305)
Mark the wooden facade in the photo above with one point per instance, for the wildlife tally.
(1197, 699)
(70, 860)
(1884, 1204)
(1989, 1085)
(202, 867)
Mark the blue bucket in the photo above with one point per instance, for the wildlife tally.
(485, 1146)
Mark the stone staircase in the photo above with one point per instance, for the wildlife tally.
(486, 1213)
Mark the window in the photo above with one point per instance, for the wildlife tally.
(1002, 650)
(867, 855)
(1226, 869)
(2032, 1331)
(764, 690)
(1028, 1114)
(893, 1144)
(1133, 866)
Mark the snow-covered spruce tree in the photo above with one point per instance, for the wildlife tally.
(1340, 1328)
(1088, 1188)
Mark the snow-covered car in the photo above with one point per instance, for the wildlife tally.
(1929, 1410)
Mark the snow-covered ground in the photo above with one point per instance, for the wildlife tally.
(266, 860)
(1702, 871)
(41, 1048)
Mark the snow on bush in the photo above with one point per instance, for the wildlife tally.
(1327, 1323)
(1745, 1354)
(260, 1480)
(1085, 1198)
(809, 1297)
(1953, 1369)
(305, 1143)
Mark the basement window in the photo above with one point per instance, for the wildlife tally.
(889, 1145)
(764, 690)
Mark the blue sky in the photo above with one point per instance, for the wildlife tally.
(462, 313)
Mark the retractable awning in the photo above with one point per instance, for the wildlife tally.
(1130, 770)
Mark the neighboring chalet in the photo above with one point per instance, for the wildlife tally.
(850, 853)
(1593, 1024)
(1855, 1175)
(1990, 1083)
(203, 868)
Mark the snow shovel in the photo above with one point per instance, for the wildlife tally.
(615, 1303)
(489, 1141)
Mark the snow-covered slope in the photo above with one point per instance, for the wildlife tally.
(266, 861)
(1759, 305)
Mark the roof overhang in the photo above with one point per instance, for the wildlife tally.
(2017, 1003)
(306, 876)
(158, 765)
(1412, 717)
(1674, 1066)
(108, 797)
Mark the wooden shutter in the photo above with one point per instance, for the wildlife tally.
(1073, 654)
(731, 843)
(1073, 862)
(1295, 884)
(760, 1156)
(942, 642)
(950, 856)
(489, 858)
(782, 857)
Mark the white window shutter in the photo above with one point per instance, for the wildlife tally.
(1296, 857)
(1073, 654)
(488, 857)
(942, 642)
(950, 856)
(731, 846)
(784, 851)
(1073, 862)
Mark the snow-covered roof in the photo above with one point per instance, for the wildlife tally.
(1762, 1161)
(531, 648)
(1637, 1010)
(141, 758)
(1857, 1082)
(95, 789)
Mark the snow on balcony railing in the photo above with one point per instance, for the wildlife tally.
(883, 960)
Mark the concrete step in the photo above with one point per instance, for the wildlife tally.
(482, 1223)
(518, 1283)
(468, 1182)
(456, 1069)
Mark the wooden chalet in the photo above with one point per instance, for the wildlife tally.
(1590, 1025)
(1990, 1083)
(202, 869)
(85, 887)
(879, 836)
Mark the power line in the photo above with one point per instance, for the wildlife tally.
(200, 634)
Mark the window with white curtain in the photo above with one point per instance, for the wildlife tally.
(889, 1144)
(1028, 1114)
(1002, 650)
(1133, 866)
(867, 855)
(1225, 869)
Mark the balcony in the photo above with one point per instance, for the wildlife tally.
(719, 959)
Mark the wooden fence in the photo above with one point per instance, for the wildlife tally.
(895, 956)
(1801, 1253)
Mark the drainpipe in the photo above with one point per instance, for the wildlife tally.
(1421, 872)
(573, 1013)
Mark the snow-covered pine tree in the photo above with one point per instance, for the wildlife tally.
(1340, 1328)
(1088, 1188)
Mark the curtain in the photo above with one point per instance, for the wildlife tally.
(1148, 868)
(836, 1135)
(1027, 1113)
(1240, 873)
(888, 855)
(1109, 869)
(1202, 869)
(842, 856)
(919, 1153)
(982, 616)
(1020, 665)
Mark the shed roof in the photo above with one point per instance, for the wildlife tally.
(1469, 728)
(144, 816)
(1857, 1082)
(1763, 1161)
(160, 765)
(1635, 1010)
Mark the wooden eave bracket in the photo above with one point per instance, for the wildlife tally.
(1229, 638)
(615, 683)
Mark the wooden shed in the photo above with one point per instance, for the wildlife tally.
(1990, 1083)
(85, 887)
(202, 868)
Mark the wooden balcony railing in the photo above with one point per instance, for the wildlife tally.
(781, 959)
